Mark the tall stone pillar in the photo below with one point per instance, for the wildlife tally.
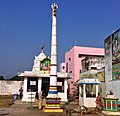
(53, 100)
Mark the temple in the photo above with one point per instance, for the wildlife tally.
(39, 79)
(44, 76)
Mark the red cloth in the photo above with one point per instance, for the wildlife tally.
(98, 101)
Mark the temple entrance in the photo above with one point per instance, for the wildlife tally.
(45, 86)
(32, 84)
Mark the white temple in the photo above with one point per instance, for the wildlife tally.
(39, 78)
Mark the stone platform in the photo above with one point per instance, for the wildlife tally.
(111, 113)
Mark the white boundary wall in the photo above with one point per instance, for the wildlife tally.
(10, 87)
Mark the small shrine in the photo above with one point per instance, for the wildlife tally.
(110, 102)
(39, 79)
(88, 91)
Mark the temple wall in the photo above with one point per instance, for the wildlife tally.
(10, 87)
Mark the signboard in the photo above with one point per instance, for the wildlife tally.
(32, 82)
(59, 83)
(116, 55)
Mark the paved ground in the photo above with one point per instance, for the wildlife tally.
(23, 109)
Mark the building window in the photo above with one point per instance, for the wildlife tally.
(80, 71)
(79, 56)
(66, 67)
(72, 82)
(32, 84)
(70, 72)
(94, 68)
(69, 59)
(60, 85)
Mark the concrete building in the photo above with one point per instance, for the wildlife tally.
(73, 60)
(93, 63)
(93, 67)
(38, 79)
(112, 63)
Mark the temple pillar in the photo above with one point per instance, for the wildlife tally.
(25, 90)
(39, 84)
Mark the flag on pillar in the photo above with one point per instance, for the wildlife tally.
(42, 47)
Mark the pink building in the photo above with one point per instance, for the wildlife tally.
(73, 60)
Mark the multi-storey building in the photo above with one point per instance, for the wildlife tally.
(73, 60)
(93, 68)
(93, 63)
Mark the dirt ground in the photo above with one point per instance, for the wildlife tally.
(19, 108)
(6, 100)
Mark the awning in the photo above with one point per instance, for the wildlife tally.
(89, 81)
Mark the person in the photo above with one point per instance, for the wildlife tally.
(36, 95)
(98, 101)
(14, 94)
(21, 92)
(43, 93)
(40, 99)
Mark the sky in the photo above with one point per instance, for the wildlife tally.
(25, 26)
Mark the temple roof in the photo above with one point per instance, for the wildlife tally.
(42, 75)
(40, 68)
